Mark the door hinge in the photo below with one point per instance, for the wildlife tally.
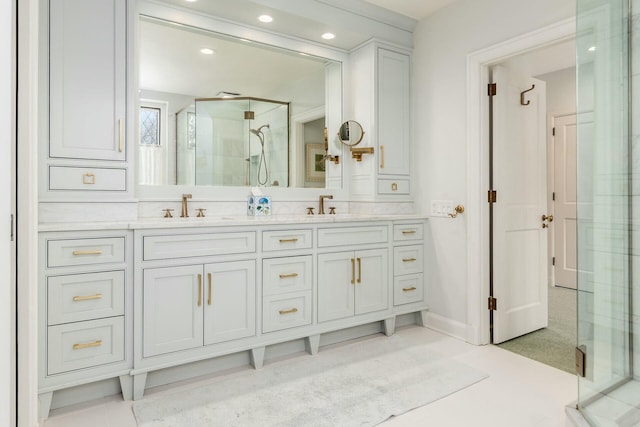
(493, 304)
(492, 196)
(492, 89)
(553, 260)
(553, 131)
(553, 196)
(12, 227)
(581, 360)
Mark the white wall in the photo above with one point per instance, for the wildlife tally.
(7, 280)
(561, 91)
(442, 43)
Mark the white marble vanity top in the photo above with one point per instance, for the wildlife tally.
(220, 221)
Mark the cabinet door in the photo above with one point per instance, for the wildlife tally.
(393, 113)
(371, 289)
(87, 79)
(172, 309)
(230, 301)
(336, 280)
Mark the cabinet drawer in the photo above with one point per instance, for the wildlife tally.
(281, 313)
(393, 186)
(286, 239)
(71, 252)
(405, 232)
(90, 296)
(408, 260)
(194, 245)
(282, 275)
(85, 344)
(90, 179)
(349, 236)
(408, 289)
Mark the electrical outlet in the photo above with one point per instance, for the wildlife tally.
(442, 208)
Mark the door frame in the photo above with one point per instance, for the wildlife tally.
(477, 214)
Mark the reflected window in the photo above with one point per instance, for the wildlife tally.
(149, 126)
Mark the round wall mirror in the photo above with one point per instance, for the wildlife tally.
(351, 133)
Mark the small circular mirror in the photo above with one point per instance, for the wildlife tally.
(351, 133)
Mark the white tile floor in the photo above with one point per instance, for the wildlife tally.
(518, 393)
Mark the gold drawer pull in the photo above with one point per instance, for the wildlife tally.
(413, 288)
(286, 276)
(293, 240)
(409, 231)
(408, 259)
(89, 252)
(87, 297)
(88, 178)
(96, 343)
(291, 310)
(394, 186)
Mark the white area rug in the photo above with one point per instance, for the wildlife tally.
(358, 384)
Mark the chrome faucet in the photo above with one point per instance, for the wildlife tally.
(321, 204)
(185, 210)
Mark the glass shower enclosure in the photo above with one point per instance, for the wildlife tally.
(608, 63)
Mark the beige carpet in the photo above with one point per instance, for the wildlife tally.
(555, 344)
(358, 384)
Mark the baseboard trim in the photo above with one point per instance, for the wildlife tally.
(447, 326)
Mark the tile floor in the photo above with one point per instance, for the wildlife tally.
(518, 393)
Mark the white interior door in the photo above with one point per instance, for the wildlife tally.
(520, 180)
(564, 208)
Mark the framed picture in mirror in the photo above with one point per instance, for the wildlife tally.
(315, 162)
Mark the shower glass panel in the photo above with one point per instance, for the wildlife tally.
(608, 393)
(236, 142)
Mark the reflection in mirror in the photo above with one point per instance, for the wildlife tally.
(351, 133)
(191, 134)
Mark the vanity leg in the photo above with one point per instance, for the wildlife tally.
(126, 384)
(311, 344)
(139, 381)
(44, 405)
(257, 357)
(422, 318)
(389, 326)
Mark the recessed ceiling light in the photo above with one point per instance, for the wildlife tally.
(191, 1)
(328, 36)
(265, 18)
(592, 49)
(207, 51)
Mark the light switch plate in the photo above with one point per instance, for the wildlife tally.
(442, 208)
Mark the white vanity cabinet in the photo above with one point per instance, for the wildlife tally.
(87, 92)
(381, 93)
(85, 306)
(190, 306)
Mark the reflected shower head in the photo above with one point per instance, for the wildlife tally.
(258, 132)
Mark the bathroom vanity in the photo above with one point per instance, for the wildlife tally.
(124, 293)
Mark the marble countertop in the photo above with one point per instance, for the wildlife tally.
(220, 221)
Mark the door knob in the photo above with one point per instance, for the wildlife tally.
(547, 218)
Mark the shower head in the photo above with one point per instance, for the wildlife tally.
(255, 132)
(258, 132)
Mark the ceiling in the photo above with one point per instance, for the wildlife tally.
(417, 9)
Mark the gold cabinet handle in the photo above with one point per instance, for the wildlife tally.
(382, 157)
(88, 178)
(87, 297)
(289, 311)
(120, 138)
(353, 271)
(286, 276)
(408, 259)
(405, 232)
(413, 288)
(89, 252)
(209, 275)
(96, 343)
(359, 270)
(293, 240)
(199, 290)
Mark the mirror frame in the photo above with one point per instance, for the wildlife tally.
(218, 25)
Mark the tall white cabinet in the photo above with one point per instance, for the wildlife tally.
(84, 147)
(381, 92)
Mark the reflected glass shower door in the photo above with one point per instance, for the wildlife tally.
(605, 214)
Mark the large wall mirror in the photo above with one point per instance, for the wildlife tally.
(220, 110)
